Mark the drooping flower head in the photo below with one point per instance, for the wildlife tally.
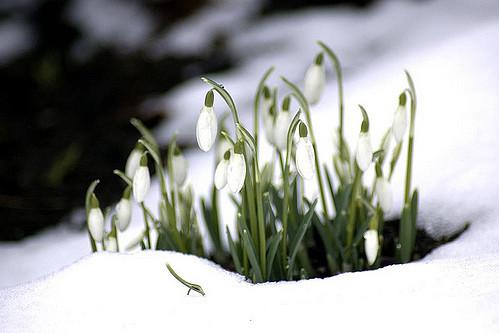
(305, 155)
(133, 161)
(236, 170)
(124, 210)
(364, 152)
(383, 190)
(95, 220)
(371, 245)
(221, 171)
(315, 80)
(179, 167)
(399, 125)
(141, 180)
(281, 125)
(207, 126)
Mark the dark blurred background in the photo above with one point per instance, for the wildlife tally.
(66, 100)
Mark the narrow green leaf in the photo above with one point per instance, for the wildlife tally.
(250, 249)
(273, 246)
(305, 223)
(124, 177)
(144, 131)
(233, 252)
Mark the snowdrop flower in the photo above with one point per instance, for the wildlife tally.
(315, 80)
(124, 210)
(221, 171)
(223, 146)
(371, 245)
(399, 125)
(383, 191)
(179, 166)
(95, 220)
(133, 161)
(268, 124)
(364, 152)
(206, 127)
(141, 180)
(236, 170)
(305, 155)
(281, 125)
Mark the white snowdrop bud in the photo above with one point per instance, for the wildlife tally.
(221, 171)
(133, 162)
(141, 181)
(383, 191)
(364, 153)
(95, 220)
(180, 167)
(111, 244)
(268, 124)
(207, 126)
(371, 245)
(305, 155)
(281, 126)
(315, 80)
(236, 171)
(124, 210)
(399, 125)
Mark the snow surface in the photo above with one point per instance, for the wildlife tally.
(451, 49)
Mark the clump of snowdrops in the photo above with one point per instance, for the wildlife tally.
(280, 234)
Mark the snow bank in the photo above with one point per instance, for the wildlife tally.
(455, 288)
(131, 293)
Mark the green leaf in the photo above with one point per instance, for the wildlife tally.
(296, 241)
(405, 235)
(233, 252)
(273, 246)
(191, 286)
(144, 131)
(414, 214)
(329, 181)
(250, 249)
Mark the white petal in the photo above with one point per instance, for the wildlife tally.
(371, 245)
(315, 80)
(305, 158)
(236, 172)
(281, 129)
(180, 167)
(384, 194)
(133, 162)
(124, 213)
(96, 224)
(221, 174)
(141, 183)
(268, 127)
(111, 245)
(364, 153)
(223, 146)
(399, 125)
(206, 128)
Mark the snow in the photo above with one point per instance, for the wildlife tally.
(452, 57)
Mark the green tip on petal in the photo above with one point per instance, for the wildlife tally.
(238, 147)
(364, 128)
(379, 173)
(208, 100)
(127, 192)
(402, 99)
(302, 130)
(143, 160)
(227, 155)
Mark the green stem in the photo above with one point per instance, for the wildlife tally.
(339, 75)
(256, 102)
(408, 176)
(353, 206)
(146, 224)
